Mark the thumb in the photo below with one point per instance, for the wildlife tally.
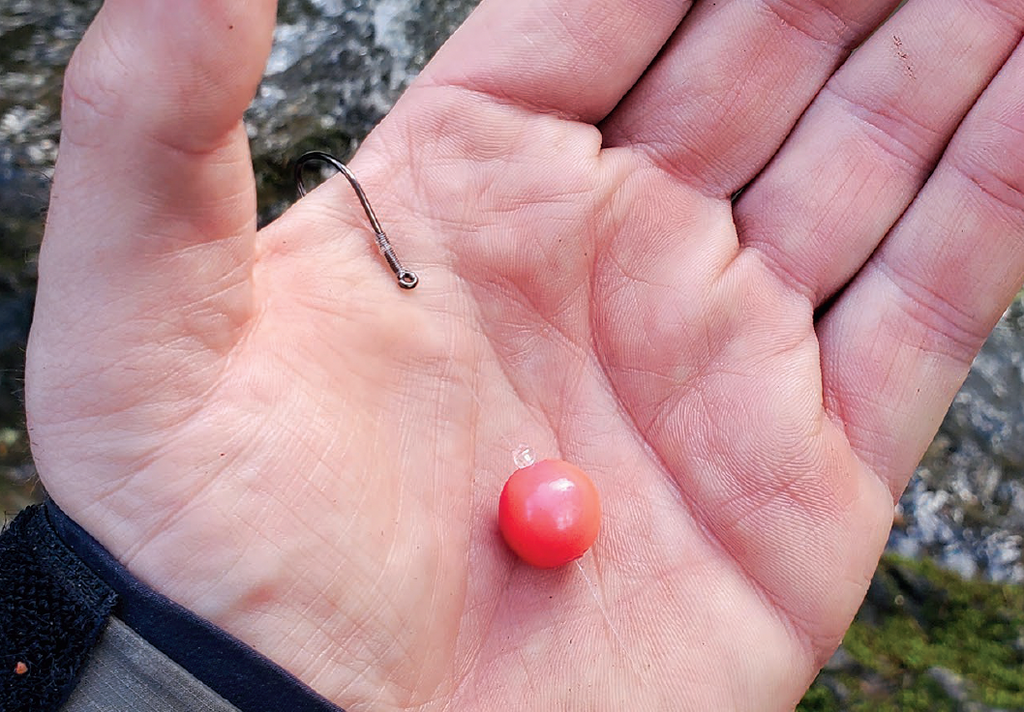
(152, 130)
(153, 193)
(149, 243)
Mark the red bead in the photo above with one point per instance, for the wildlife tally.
(549, 513)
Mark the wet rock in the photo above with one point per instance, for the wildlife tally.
(840, 692)
(952, 684)
(958, 690)
(841, 661)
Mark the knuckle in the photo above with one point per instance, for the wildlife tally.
(887, 124)
(94, 91)
(937, 323)
(814, 19)
(991, 160)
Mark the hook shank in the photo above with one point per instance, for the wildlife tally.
(406, 279)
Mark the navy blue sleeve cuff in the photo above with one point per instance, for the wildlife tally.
(58, 588)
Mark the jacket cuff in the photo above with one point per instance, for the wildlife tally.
(78, 630)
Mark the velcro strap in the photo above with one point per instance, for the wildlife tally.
(52, 612)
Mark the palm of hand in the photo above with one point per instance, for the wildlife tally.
(368, 431)
(311, 458)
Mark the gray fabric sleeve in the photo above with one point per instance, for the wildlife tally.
(127, 674)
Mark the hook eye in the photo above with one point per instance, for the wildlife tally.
(407, 279)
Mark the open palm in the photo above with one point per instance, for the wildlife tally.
(266, 429)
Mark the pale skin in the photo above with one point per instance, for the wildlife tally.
(263, 427)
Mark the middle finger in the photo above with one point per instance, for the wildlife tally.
(733, 81)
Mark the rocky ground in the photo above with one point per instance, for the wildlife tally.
(336, 68)
(927, 640)
(965, 507)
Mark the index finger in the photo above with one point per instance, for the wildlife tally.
(573, 58)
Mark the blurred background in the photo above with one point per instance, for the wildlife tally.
(943, 624)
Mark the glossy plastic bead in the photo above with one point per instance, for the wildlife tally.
(549, 513)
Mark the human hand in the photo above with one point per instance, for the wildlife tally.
(265, 428)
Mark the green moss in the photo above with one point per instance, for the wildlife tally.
(928, 618)
(819, 699)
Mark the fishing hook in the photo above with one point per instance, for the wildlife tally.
(406, 278)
